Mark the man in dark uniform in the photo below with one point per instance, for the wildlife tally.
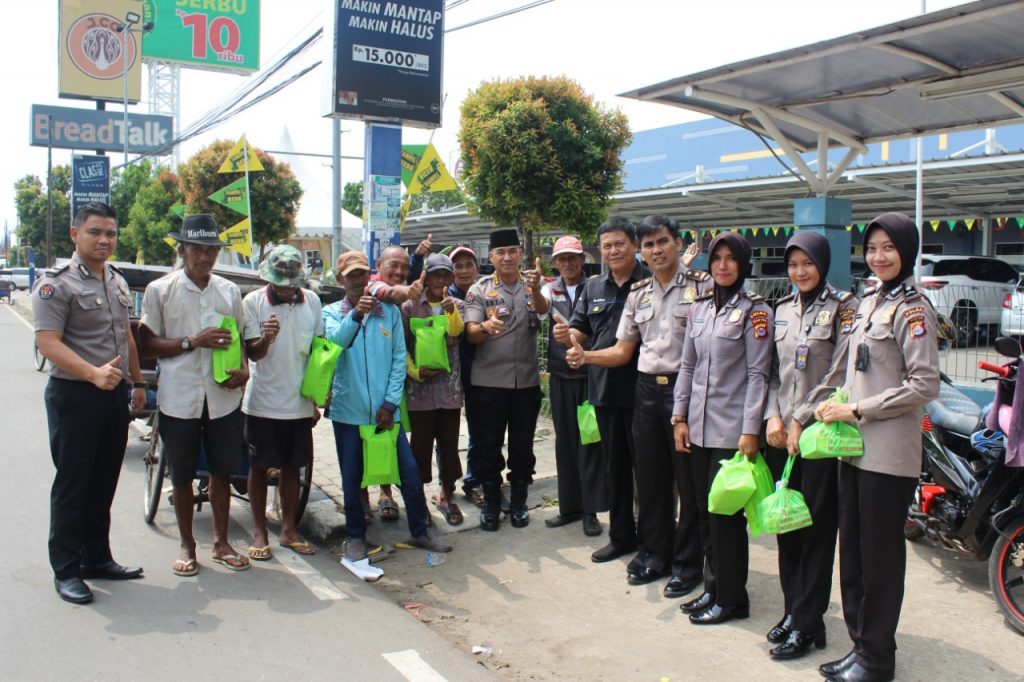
(581, 477)
(82, 326)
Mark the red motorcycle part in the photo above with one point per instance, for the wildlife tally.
(928, 494)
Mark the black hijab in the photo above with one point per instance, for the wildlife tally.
(740, 249)
(905, 235)
(815, 245)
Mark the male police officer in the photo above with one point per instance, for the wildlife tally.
(81, 312)
(503, 314)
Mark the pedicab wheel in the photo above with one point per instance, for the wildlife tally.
(40, 359)
(156, 469)
(1006, 573)
(305, 483)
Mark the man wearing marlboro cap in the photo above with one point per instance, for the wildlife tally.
(581, 477)
(503, 314)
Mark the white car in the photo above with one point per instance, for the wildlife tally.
(1011, 322)
(970, 290)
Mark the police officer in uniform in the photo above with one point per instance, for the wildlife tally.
(892, 372)
(654, 318)
(719, 408)
(81, 316)
(503, 314)
(812, 332)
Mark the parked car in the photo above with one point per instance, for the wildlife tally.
(1011, 321)
(970, 290)
(19, 276)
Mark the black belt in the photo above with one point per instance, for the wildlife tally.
(659, 379)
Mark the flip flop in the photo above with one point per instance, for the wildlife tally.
(260, 553)
(300, 547)
(226, 559)
(451, 512)
(387, 509)
(185, 567)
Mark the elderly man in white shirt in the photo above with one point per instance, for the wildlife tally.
(181, 314)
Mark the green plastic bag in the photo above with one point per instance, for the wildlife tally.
(733, 485)
(764, 485)
(431, 345)
(323, 359)
(784, 510)
(229, 356)
(380, 455)
(835, 439)
(586, 417)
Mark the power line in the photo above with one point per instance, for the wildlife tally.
(509, 12)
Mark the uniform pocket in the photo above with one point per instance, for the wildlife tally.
(90, 302)
(645, 315)
(780, 331)
(729, 331)
(879, 339)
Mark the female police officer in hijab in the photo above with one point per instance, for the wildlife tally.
(812, 332)
(719, 406)
(892, 371)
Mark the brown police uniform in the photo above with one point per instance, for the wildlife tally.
(811, 342)
(656, 317)
(892, 372)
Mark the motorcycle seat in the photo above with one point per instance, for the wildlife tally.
(954, 411)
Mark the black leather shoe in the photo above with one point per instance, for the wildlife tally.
(833, 667)
(591, 526)
(111, 571)
(713, 615)
(855, 672)
(559, 520)
(677, 587)
(779, 633)
(489, 521)
(699, 604)
(797, 643)
(520, 518)
(609, 552)
(73, 590)
(643, 575)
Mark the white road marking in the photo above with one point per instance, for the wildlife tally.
(21, 319)
(320, 586)
(412, 666)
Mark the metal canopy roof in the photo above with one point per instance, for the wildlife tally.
(954, 188)
(957, 68)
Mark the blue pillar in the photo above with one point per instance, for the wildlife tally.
(382, 188)
(829, 216)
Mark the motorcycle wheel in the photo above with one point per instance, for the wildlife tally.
(1006, 574)
(911, 531)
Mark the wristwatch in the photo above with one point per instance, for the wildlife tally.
(855, 408)
(186, 344)
(676, 419)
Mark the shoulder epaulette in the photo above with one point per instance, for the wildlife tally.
(841, 296)
(697, 275)
(870, 291)
(58, 270)
(705, 296)
(639, 285)
(115, 269)
(787, 297)
(910, 293)
(756, 298)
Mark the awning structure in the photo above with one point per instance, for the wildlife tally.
(957, 68)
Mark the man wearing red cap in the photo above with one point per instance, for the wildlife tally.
(581, 480)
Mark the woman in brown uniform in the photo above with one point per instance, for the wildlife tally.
(812, 333)
(892, 371)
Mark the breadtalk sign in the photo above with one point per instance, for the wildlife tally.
(94, 55)
(70, 128)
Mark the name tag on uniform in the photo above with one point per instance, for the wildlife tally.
(801, 356)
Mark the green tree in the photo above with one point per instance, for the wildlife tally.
(352, 198)
(438, 201)
(540, 154)
(124, 190)
(274, 197)
(31, 204)
(150, 218)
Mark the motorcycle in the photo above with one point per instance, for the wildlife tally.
(967, 498)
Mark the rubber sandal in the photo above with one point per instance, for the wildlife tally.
(260, 553)
(475, 496)
(185, 567)
(387, 509)
(451, 512)
(226, 559)
(300, 547)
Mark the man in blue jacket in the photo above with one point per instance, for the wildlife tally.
(367, 389)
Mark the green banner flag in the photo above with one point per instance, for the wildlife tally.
(234, 196)
(178, 209)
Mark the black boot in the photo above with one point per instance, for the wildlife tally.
(518, 512)
(490, 513)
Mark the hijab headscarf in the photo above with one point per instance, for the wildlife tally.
(904, 234)
(740, 249)
(815, 245)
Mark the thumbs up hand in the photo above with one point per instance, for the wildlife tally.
(575, 356)
(416, 288)
(108, 376)
(533, 276)
(423, 248)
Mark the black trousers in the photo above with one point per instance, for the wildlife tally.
(806, 556)
(498, 410)
(616, 427)
(660, 472)
(88, 434)
(581, 468)
(724, 537)
(873, 560)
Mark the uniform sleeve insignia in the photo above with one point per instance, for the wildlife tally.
(846, 317)
(469, 298)
(917, 328)
(46, 291)
(759, 319)
(913, 312)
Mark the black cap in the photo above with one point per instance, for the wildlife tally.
(506, 236)
(198, 229)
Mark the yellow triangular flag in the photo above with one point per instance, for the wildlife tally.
(406, 205)
(935, 225)
(431, 175)
(235, 161)
(237, 238)
(170, 242)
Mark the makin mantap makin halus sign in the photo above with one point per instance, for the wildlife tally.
(386, 61)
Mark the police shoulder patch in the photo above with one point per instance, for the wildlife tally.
(759, 321)
(642, 283)
(846, 317)
(46, 291)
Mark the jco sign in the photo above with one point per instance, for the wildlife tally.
(206, 34)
